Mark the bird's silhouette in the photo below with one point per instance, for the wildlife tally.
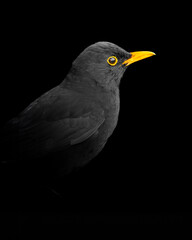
(71, 123)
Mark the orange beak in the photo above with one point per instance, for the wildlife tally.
(137, 56)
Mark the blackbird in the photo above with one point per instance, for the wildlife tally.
(72, 122)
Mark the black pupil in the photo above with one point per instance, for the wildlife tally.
(112, 60)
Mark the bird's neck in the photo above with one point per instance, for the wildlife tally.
(82, 82)
(105, 97)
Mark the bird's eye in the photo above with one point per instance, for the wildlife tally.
(112, 60)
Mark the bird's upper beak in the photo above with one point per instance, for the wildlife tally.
(137, 56)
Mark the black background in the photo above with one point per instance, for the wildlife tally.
(142, 175)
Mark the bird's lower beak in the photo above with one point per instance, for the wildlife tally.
(137, 56)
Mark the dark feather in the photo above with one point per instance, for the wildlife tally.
(57, 120)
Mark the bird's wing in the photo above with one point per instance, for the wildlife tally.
(57, 120)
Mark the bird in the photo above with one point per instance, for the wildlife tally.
(71, 123)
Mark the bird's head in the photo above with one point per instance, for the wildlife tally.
(104, 63)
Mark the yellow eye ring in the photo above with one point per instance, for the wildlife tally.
(112, 60)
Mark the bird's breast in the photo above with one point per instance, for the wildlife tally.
(111, 105)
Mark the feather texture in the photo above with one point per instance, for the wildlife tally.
(57, 120)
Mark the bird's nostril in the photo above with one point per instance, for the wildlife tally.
(130, 55)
